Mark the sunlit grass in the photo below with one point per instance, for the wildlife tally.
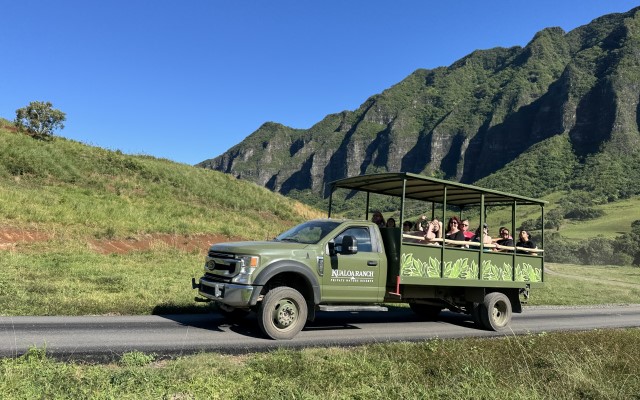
(583, 285)
(616, 221)
(576, 365)
(69, 188)
(78, 281)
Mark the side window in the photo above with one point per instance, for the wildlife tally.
(362, 235)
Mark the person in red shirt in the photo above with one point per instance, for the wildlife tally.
(464, 227)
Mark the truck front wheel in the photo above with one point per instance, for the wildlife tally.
(495, 311)
(283, 313)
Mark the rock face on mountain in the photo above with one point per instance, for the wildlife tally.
(471, 119)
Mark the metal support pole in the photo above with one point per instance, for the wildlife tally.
(444, 207)
(366, 215)
(513, 234)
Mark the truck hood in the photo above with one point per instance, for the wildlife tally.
(256, 247)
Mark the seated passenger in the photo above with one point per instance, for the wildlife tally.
(505, 239)
(525, 241)
(486, 239)
(453, 232)
(391, 223)
(378, 219)
(423, 223)
(468, 235)
(407, 227)
(502, 228)
(433, 230)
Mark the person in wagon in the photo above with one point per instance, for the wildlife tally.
(525, 242)
(486, 239)
(505, 239)
(464, 227)
(433, 231)
(378, 219)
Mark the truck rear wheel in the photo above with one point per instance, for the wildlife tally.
(283, 313)
(495, 311)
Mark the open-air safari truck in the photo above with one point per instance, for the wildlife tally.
(474, 279)
(354, 265)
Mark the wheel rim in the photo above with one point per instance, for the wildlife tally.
(285, 313)
(499, 313)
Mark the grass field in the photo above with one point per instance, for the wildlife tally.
(616, 221)
(583, 285)
(577, 365)
(47, 281)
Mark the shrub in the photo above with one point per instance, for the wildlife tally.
(585, 213)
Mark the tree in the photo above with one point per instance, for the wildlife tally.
(39, 119)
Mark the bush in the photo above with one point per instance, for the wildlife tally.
(559, 250)
(553, 220)
(582, 214)
(624, 250)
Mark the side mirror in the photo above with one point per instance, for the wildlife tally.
(332, 248)
(349, 245)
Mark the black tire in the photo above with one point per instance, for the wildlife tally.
(426, 311)
(282, 313)
(496, 311)
(233, 314)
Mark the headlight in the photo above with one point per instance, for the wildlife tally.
(248, 264)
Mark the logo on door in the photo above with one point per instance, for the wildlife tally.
(341, 275)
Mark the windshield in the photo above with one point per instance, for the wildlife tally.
(310, 232)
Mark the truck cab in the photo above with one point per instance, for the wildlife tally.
(324, 261)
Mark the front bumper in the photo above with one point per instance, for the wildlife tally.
(230, 294)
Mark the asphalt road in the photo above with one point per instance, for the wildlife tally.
(107, 337)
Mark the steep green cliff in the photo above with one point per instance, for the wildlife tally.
(561, 111)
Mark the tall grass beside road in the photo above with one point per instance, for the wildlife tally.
(583, 365)
(48, 281)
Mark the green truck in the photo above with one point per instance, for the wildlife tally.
(355, 265)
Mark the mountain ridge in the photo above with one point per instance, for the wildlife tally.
(468, 121)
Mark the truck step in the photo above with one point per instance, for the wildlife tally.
(353, 308)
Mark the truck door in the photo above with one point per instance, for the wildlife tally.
(353, 277)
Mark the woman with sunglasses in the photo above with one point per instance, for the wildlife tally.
(453, 230)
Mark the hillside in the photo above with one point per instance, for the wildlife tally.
(65, 189)
(560, 113)
(87, 231)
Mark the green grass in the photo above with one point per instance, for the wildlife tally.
(77, 281)
(577, 365)
(616, 221)
(71, 189)
(585, 285)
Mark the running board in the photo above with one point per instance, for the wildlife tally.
(352, 308)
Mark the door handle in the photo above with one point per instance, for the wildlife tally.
(372, 263)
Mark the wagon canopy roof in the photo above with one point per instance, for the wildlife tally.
(425, 188)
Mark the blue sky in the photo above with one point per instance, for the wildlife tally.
(187, 80)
